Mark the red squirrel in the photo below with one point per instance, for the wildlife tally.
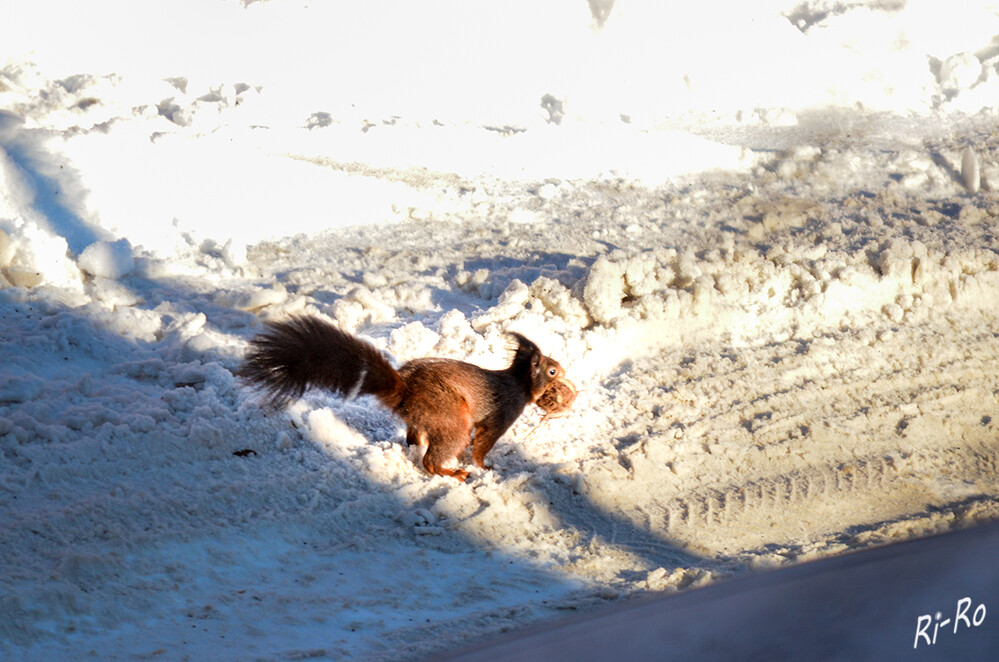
(446, 404)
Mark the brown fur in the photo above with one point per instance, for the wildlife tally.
(446, 404)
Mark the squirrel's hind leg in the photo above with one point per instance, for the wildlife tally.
(445, 442)
(461, 475)
(483, 441)
(434, 461)
(431, 462)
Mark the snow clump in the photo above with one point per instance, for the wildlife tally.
(108, 259)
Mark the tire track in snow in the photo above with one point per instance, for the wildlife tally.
(776, 443)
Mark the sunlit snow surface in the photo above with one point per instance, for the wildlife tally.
(760, 237)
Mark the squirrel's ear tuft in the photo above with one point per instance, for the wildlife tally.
(519, 343)
(525, 352)
(514, 340)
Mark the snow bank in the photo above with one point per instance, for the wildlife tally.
(208, 150)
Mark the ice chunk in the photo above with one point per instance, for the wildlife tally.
(559, 300)
(254, 299)
(108, 259)
(604, 290)
(24, 277)
(971, 175)
(960, 72)
(234, 253)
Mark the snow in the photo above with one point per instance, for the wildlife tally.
(107, 259)
(759, 237)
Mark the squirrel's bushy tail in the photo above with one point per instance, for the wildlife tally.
(303, 352)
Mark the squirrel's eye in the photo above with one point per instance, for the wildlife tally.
(552, 372)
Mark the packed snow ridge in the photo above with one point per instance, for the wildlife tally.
(776, 301)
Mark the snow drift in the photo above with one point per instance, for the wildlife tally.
(761, 241)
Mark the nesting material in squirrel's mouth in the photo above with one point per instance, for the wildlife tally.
(557, 398)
